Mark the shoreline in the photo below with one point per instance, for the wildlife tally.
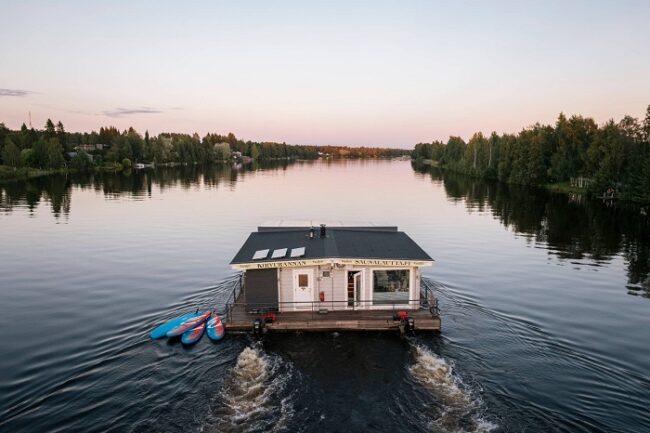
(9, 174)
(554, 187)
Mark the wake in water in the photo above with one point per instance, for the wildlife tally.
(255, 397)
(459, 409)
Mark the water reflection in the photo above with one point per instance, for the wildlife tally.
(52, 189)
(571, 227)
(56, 190)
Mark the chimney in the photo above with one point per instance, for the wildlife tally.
(323, 231)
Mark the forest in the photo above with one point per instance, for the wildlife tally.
(574, 154)
(53, 148)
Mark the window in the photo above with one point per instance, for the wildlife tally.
(390, 286)
(303, 280)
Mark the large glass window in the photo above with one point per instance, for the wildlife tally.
(390, 286)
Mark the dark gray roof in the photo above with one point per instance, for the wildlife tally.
(341, 242)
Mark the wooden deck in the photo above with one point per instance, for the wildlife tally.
(348, 320)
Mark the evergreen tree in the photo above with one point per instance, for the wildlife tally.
(50, 129)
(61, 135)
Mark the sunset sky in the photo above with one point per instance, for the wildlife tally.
(335, 72)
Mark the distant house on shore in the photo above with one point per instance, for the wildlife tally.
(90, 147)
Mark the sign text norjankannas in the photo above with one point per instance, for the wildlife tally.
(293, 264)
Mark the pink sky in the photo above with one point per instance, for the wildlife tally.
(367, 73)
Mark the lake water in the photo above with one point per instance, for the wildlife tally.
(544, 301)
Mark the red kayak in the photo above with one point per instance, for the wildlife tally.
(189, 324)
(215, 330)
(191, 336)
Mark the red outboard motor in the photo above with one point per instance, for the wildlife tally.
(269, 317)
(401, 315)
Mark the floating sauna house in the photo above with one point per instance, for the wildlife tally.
(297, 277)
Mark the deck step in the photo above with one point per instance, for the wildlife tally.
(322, 325)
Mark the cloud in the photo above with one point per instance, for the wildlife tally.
(14, 92)
(121, 112)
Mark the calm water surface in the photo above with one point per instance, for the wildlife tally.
(546, 316)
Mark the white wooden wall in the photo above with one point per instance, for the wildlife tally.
(335, 286)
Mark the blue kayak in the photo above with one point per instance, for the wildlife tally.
(215, 328)
(161, 331)
(193, 335)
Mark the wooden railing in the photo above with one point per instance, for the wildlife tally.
(427, 298)
(305, 306)
(232, 298)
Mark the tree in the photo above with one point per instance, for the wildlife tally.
(255, 152)
(107, 135)
(27, 157)
(455, 151)
(11, 155)
(27, 137)
(222, 151)
(477, 144)
(60, 134)
(120, 149)
(50, 130)
(135, 144)
(4, 134)
(506, 156)
(39, 158)
(55, 154)
(81, 161)
(494, 147)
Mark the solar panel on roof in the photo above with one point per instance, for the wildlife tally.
(298, 252)
(281, 252)
(260, 254)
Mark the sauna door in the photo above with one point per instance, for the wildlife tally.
(357, 288)
(303, 289)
